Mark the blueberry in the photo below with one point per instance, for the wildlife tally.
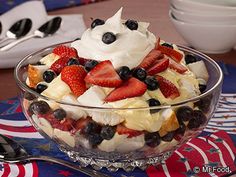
(198, 119)
(190, 59)
(40, 107)
(30, 96)
(153, 102)
(152, 139)
(89, 65)
(167, 45)
(49, 75)
(59, 114)
(204, 103)
(124, 72)
(95, 139)
(107, 132)
(181, 129)
(168, 137)
(108, 37)
(151, 83)
(139, 73)
(184, 113)
(92, 128)
(97, 22)
(132, 24)
(73, 61)
(202, 87)
(41, 87)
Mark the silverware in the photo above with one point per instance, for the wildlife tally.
(13, 152)
(49, 28)
(18, 29)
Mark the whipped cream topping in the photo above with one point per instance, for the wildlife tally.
(129, 48)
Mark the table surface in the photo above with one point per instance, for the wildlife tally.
(153, 11)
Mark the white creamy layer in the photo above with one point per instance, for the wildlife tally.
(129, 49)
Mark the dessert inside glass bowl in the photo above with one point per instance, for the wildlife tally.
(119, 97)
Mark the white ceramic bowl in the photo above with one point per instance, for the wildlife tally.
(207, 38)
(218, 2)
(203, 8)
(203, 18)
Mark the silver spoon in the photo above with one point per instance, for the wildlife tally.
(12, 152)
(48, 28)
(18, 29)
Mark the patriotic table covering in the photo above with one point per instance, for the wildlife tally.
(215, 146)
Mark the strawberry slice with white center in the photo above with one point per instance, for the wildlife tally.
(159, 66)
(121, 130)
(177, 56)
(130, 88)
(104, 74)
(150, 59)
(168, 89)
(74, 76)
(177, 67)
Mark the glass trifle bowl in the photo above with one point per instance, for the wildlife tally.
(78, 131)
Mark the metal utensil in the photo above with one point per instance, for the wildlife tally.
(13, 152)
(18, 29)
(48, 28)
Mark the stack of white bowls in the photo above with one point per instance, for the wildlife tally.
(207, 25)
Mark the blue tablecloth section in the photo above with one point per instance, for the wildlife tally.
(6, 5)
(229, 84)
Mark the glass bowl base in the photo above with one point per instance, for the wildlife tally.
(113, 165)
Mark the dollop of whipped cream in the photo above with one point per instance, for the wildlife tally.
(129, 48)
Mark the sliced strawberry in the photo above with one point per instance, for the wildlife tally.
(121, 130)
(159, 66)
(168, 89)
(177, 67)
(66, 124)
(130, 88)
(65, 51)
(81, 123)
(104, 74)
(177, 56)
(157, 43)
(150, 59)
(59, 64)
(74, 77)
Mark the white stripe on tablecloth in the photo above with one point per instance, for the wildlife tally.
(165, 169)
(216, 147)
(185, 163)
(21, 123)
(21, 134)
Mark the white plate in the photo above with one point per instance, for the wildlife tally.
(71, 28)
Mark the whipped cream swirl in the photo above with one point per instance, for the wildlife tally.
(129, 48)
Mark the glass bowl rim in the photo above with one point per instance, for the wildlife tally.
(24, 87)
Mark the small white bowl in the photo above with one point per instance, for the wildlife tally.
(205, 37)
(218, 2)
(203, 8)
(203, 18)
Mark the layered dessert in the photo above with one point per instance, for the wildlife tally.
(112, 90)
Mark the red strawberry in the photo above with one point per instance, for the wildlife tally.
(82, 122)
(150, 59)
(159, 66)
(65, 51)
(121, 129)
(168, 89)
(66, 124)
(74, 77)
(158, 42)
(177, 67)
(177, 56)
(130, 88)
(104, 74)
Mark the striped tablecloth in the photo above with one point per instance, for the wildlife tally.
(214, 147)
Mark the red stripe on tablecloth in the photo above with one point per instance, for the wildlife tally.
(7, 170)
(17, 129)
(35, 169)
(155, 171)
(21, 170)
